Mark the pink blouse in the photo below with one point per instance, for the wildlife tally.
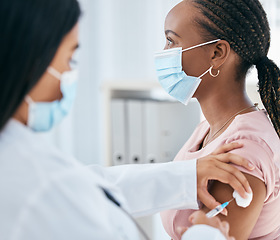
(261, 148)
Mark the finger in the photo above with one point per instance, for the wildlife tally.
(239, 176)
(228, 147)
(224, 212)
(207, 199)
(235, 159)
(226, 177)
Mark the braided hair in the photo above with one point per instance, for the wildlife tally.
(244, 25)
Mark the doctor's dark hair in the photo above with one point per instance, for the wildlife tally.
(244, 25)
(30, 34)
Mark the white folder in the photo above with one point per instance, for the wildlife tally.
(151, 132)
(119, 132)
(135, 131)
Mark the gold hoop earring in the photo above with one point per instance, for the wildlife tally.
(213, 75)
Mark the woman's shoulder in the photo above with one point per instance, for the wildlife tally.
(260, 146)
(255, 127)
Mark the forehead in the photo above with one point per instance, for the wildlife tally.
(181, 19)
(73, 34)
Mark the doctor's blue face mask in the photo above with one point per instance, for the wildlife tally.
(43, 116)
(172, 77)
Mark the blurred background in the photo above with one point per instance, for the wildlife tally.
(118, 39)
(121, 115)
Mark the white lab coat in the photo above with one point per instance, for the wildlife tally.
(47, 195)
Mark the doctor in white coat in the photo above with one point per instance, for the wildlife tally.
(48, 195)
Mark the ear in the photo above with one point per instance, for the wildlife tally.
(220, 54)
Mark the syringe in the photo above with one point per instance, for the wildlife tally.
(218, 209)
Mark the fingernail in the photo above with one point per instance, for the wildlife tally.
(250, 190)
(251, 166)
(244, 195)
(225, 212)
(191, 219)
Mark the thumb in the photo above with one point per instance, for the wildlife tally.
(207, 199)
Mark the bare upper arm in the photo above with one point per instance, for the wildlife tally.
(241, 220)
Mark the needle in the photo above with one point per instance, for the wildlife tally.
(218, 209)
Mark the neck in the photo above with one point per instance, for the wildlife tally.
(220, 107)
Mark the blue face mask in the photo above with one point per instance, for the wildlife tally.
(172, 77)
(42, 116)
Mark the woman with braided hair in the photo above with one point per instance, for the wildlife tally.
(220, 40)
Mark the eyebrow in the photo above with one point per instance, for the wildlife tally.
(170, 31)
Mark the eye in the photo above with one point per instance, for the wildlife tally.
(73, 59)
(169, 41)
(73, 64)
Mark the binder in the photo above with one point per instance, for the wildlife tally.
(147, 131)
(119, 130)
(151, 132)
(135, 131)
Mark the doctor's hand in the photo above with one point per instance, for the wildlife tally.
(199, 217)
(215, 167)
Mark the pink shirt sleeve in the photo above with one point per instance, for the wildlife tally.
(261, 156)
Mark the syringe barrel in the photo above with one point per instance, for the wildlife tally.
(214, 212)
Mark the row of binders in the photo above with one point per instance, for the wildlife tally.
(146, 131)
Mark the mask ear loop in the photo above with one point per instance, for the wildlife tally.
(54, 73)
(210, 71)
(203, 74)
(213, 75)
(28, 99)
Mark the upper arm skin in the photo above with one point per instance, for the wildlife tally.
(241, 220)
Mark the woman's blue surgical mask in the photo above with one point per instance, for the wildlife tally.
(172, 77)
(43, 116)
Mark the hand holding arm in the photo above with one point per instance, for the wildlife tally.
(215, 167)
